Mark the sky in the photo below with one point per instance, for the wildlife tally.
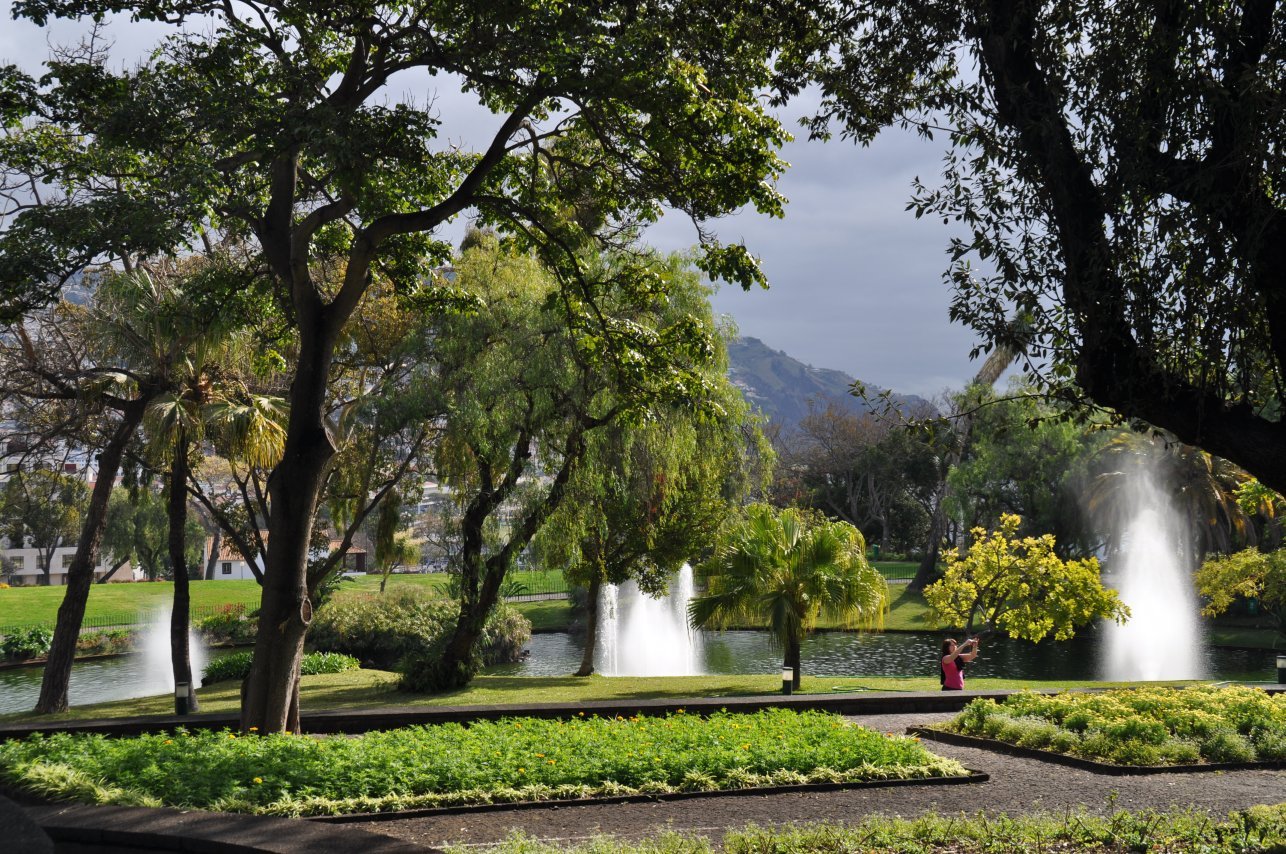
(856, 280)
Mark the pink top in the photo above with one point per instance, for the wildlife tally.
(953, 673)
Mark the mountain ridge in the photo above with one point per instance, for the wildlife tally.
(781, 386)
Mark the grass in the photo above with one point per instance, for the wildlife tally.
(1260, 828)
(137, 602)
(509, 760)
(364, 689)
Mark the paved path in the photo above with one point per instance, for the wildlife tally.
(1017, 786)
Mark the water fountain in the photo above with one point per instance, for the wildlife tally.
(1163, 639)
(154, 649)
(639, 635)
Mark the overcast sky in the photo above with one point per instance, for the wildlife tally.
(856, 280)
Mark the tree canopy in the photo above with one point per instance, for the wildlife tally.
(272, 124)
(1116, 170)
(1020, 587)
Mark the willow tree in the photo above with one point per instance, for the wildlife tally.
(526, 396)
(651, 492)
(274, 121)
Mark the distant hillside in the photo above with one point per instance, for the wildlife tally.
(781, 386)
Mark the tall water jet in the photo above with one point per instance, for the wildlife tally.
(156, 653)
(639, 635)
(1163, 639)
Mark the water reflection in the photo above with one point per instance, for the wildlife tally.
(891, 654)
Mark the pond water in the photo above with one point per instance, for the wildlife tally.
(100, 680)
(892, 654)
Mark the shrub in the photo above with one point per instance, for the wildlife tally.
(1227, 746)
(1270, 744)
(111, 642)
(382, 630)
(229, 625)
(27, 643)
(237, 665)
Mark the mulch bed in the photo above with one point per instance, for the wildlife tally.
(960, 740)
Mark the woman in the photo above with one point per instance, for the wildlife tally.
(954, 658)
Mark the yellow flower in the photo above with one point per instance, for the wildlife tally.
(254, 729)
(258, 780)
(232, 735)
(550, 761)
(169, 741)
(541, 755)
(522, 770)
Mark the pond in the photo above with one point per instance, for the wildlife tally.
(100, 680)
(891, 654)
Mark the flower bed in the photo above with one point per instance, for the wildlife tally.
(1138, 727)
(516, 759)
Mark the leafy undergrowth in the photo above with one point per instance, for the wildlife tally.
(516, 759)
(1255, 829)
(1139, 727)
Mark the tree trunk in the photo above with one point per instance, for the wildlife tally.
(269, 699)
(80, 575)
(107, 575)
(591, 627)
(792, 658)
(177, 513)
(927, 572)
(216, 546)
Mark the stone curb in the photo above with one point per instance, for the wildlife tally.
(206, 832)
(960, 740)
(971, 777)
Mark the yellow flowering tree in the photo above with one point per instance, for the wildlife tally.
(1251, 574)
(1020, 587)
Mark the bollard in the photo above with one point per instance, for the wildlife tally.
(1281, 669)
(787, 680)
(181, 706)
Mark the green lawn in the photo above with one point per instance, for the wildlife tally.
(129, 603)
(361, 689)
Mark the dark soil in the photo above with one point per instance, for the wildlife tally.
(1017, 786)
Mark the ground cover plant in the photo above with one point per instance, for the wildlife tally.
(237, 665)
(1261, 828)
(1138, 726)
(515, 759)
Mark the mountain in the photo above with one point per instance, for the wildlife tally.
(781, 386)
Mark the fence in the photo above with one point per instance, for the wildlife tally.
(126, 619)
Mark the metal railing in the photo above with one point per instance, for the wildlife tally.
(126, 619)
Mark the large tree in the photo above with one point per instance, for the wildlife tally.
(650, 494)
(272, 120)
(526, 395)
(1116, 169)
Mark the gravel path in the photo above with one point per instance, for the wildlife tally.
(1016, 786)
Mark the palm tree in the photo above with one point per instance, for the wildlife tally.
(788, 570)
(205, 399)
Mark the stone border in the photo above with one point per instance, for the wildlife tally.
(207, 832)
(1005, 747)
(428, 812)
